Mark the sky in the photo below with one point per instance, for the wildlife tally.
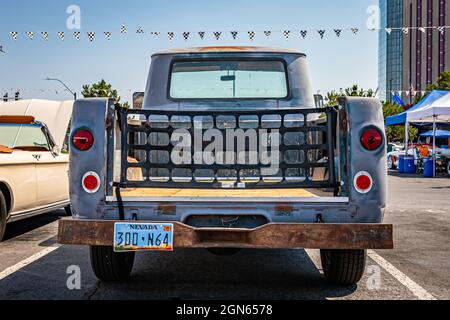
(124, 61)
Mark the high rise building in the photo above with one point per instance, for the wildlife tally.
(416, 56)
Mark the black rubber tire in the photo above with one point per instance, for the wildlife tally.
(343, 267)
(224, 252)
(3, 215)
(68, 210)
(109, 265)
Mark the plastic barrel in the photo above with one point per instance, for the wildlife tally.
(409, 165)
(428, 168)
(401, 164)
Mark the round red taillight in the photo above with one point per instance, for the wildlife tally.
(83, 139)
(363, 182)
(91, 182)
(371, 139)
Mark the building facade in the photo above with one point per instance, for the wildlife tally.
(415, 57)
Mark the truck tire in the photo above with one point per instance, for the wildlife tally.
(68, 211)
(3, 215)
(109, 265)
(343, 267)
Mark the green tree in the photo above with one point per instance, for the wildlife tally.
(442, 83)
(353, 91)
(397, 133)
(102, 89)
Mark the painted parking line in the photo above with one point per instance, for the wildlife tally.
(22, 264)
(412, 286)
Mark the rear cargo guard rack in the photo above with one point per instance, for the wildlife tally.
(139, 128)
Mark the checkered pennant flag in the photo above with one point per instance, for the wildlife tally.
(234, 34)
(286, 34)
(338, 32)
(355, 31)
(405, 31)
(14, 34)
(321, 33)
(140, 30)
(217, 35)
(251, 35)
(267, 34)
(303, 33)
(201, 34)
(170, 35)
(123, 29)
(155, 33)
(388, 30)
(421, 29)
(91, 36)
(30, 34)
(441, 30)
(77, 35)
(45, 35)
(186, 35)
(61, 35)
(108, 35)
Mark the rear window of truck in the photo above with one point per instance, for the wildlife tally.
(229, 79)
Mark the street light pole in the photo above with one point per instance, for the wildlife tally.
(54, 79)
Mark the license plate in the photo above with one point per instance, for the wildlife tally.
(143, 237)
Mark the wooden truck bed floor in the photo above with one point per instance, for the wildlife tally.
(226, 193)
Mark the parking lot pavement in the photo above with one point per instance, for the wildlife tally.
(32, 266)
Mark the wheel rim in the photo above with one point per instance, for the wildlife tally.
(390, 163)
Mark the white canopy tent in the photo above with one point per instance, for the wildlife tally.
(435, 112)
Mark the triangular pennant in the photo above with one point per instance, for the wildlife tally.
(405, 31)
(217, 34)
(30, 34)
(61, 35)
(77, 35)
(338, 32)
(108, 35)
(407, 93)
(123, 29)
(286, 34)
(170, 35)
(155, 33)
(251, 35)
(14, 34)
(321, 33)
(421, 29)
(355, 30)
(441, 30)
(201, 34)
(234, 34)
(186, 35)
(303, 33)
(91, 36)
(388, 30)
(267, 34)
(140, 30)
(44, 35)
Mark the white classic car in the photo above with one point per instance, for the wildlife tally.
(33, 170)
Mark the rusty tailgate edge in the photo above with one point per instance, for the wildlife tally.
(270, 236)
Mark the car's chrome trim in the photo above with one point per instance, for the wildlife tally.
(35, 212)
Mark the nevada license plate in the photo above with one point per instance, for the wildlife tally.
(143, 237)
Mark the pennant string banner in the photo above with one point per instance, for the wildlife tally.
(252, 34)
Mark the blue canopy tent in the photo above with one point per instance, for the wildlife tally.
(400, 119)
(439, 134)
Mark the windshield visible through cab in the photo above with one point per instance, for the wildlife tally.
(22, 136)
(230, 79)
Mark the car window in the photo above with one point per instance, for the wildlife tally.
(233, 79)
(14, 136)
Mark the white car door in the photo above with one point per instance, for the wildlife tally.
(52, 178)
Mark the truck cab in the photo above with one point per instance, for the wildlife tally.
(229, 150)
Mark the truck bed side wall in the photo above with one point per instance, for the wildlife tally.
(361, 113)
(91, 114)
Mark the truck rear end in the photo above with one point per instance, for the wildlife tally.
(229, 151)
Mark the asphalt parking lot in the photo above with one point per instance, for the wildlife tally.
(33, 266)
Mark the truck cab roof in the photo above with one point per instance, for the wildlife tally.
(229, 49)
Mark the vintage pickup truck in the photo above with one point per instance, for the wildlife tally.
(229, 151)
(33, 170)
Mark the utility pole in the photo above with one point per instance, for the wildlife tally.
(70, 90)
